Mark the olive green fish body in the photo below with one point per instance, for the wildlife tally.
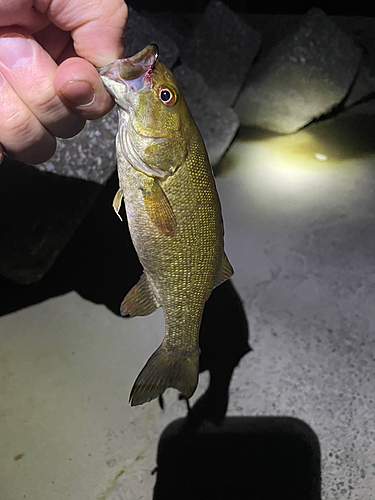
(174, 217)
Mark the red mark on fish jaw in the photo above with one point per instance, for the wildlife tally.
(148, 75)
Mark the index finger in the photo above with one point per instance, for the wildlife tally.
(97, 27)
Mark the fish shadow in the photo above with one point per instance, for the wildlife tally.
(262, 458)
(223, 341)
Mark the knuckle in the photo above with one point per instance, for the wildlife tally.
(21, 126)
(55, 116)
(47, 104)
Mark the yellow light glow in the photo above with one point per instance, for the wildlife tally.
(315, 168)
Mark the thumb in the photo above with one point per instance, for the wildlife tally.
(79, 86)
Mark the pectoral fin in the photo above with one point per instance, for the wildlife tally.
(225, 272)
(140, 300)
(116, 204)
(159, 209)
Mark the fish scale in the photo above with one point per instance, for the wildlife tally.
(173, 213)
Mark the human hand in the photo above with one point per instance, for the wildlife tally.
(46, 91)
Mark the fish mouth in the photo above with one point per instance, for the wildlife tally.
(132, 73)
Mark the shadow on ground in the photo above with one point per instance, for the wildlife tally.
(99, 263)
(257, 458)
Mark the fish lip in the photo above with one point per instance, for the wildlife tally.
(156, 52)
(132, 72)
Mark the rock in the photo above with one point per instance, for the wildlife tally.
(39, 214)
(178, 25)
(221, 48)
(90, 155)
(217, 122)
(271, 27)
(303, 77)
(363, 87)
(362, 30)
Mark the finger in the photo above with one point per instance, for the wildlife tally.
(80, 87)
(30, 72)
(21, 134)
(22, 13)
(67, 53)
(97, 31)
(53, 40)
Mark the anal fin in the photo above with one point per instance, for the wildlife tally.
(159, 209)
(140, 300)
(225, 272)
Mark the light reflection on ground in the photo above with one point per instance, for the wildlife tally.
(316, 167)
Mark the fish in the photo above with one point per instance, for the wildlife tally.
(173, 213)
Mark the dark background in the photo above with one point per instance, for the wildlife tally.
(261, 7)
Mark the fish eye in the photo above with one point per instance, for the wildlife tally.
(167, 96)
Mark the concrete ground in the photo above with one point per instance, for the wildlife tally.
(300, 233)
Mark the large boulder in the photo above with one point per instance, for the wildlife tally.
(40, 212)
(221, 47)
(304, 76)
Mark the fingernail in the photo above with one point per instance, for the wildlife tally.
(78, 92)
(15, 50)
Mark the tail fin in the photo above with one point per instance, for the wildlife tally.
(166, 368)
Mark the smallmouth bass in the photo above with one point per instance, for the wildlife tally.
(173, 213)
